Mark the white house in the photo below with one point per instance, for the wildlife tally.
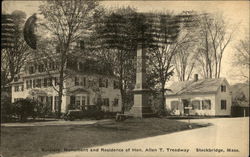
(208, 97)
(86, 82)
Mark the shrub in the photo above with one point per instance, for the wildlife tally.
(7, 109)
(24, 108)
(40, 109)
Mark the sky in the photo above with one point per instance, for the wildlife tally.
(236, 14)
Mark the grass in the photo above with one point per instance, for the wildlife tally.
(30, 141)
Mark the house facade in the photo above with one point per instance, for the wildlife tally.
(86, 83)
(205, 97)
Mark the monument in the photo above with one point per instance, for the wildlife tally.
(141, 107)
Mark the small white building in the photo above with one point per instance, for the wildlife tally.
(86, 82)
(206, 97)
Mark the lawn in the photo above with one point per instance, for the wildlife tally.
(31, 141)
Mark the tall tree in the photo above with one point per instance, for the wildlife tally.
(242, 56)
(186, 58)
(166, 36)
(66, 22)
(214, 38)
(13, 59)
(115, 42)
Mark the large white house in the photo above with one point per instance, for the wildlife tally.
(206, 97)
(86, 82)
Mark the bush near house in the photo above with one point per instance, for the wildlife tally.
(7, 109)
(23, 109)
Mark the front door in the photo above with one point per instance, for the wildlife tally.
(185, 106)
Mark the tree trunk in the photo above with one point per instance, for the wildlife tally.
(162, 106)
(60, 92)
(122, 94)
(219, 67)
(123, 101)
(60, 100)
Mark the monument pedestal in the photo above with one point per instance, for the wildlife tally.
(142, 107)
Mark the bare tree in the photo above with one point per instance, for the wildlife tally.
(242, 56)
(168, 39)
(214, 38)
(66, 21)
(186, 57)
(13, 59)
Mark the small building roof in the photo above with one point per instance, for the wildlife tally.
(195, 87)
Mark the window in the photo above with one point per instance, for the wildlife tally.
(22, 88)
(16, 88)
(101, 83)
(83, 100)
(206, 104)
(31, 70)
(38, 83)
(45, 82)
(77, 81)
(49, 100)
(30, 84)
(223, 88)
(223, 104)
(34, 83)
(106, 101)
(116, 84)
(99, 101)
(27, 84)
(41, 68)
(196, 105)
(49, 82)
(175, 105)
(83, 82)
(56, 103)
(116, 102)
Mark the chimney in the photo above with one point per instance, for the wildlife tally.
(196, 77)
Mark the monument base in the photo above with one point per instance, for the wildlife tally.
(142, 107)
(141, 112)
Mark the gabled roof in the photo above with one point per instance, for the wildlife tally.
(195, 87)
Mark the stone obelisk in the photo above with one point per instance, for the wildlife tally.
(141, 107)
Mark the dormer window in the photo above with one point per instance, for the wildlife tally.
(223, 88)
